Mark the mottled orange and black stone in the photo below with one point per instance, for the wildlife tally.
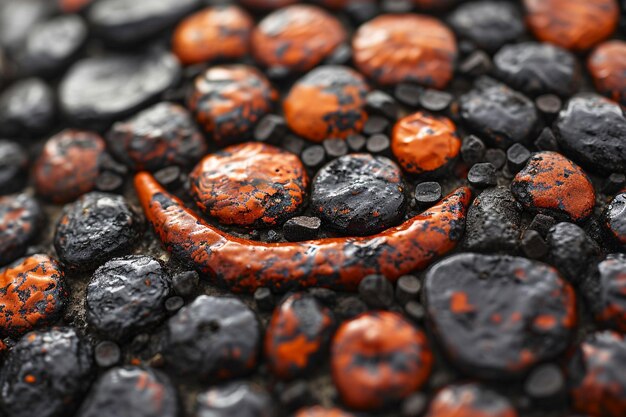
(328, 102)
(552, 183)
(607, 66)
(425, 143)
(399, 48)
(298, 335)
(229, 100)
(31, 294)
(604, 292)
(379, 358)
(69, 165)
(340, 263)
(215, 33)
(469, 400)
(251, 184)
(572, 24)
(319, 411)
(296, 38)
(21, 217)
(598, 377)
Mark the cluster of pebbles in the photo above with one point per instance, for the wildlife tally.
(332, 208)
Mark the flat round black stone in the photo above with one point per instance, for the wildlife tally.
(376, 291)
(482, 175)
(427, 193)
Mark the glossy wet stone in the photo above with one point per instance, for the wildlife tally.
(27, 108)
(604, 292)
(297, 336)
(301, 228)
(607, 65)
(21, 219)
(359, 194)
(33, 294)
(100, 90)
(498, 114)
(214, 33)
(131, 391)
(614, 219)
(553, 184)
(469, 399)
(123, 22)
(493, 222)
(94, 229)
(251, 184)
(390, 49)
(339, 95)
(213, 338)
(591, 131)
(17, 17)
(107, 354)
(46, 373)
(371, 369)
(237, 399)
(227, 101)
(162, 135)
(52, 45)
(572, 251)
(576, 25)
(424, 143)
(13, 167)
(296, 37)
(488, 24)
(482, 175)
(68, 165)
(127, 295)
(427, 193)
(598, 385)
(538, 68)
(379, 102)
(498, 316)
(376, 291)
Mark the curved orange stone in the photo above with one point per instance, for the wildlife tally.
(572, 24)
(341, 263)
(607, 66)
(406, 47)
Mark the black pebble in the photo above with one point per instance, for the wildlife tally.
(13, 166)
(173, 304)
(313, 157)
(109, 182)
(414, 405)
(236, 399)
(571, 250)
(325, 296)
(264, 299)
(612, 184)
(407, 289)
(293, 144)
(362, 11)
(375, 124)
(340, 56)
(516, 157)
(170, 177)
(376, 291)
(21, 220)
(476, 64)
(473, 150)
(549, 105)
(301, 228)
(427, 193)
(546, 141)
(408, 94)
(546, 386)
(295, 395)
(185, 283)
(27, 108)
(45, 374)
(350, 307)
(533, 245)
(482, 175)
(378, 144)
(127, 295)
(415, 311)
(542, 223)
(435, 100)
(107, 354)
(396, 6)
(108, 163)
(18, 17)
(497, 157)
(356, 143)
(95, 228)
(270, 129)
(382, 103)
(335, 147)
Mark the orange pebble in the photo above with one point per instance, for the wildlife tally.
(607, 65)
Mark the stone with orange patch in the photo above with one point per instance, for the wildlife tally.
(297, 336)
(605, 292)
(319, 411)
(229, 100)
(424, 143)
(73, 6)
(469, 400)
(221, 32)
(296, 38)
(390, 49)
(379, 358)
(68, 165)
(251, 184)
(338, 94)
(21, 219)
(497, 316)
(607, 65)
(552, 184)
(33, 294)
(572, 24)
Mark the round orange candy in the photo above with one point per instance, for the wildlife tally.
(251, 184)
(607, 65)
(407, 47)
(424, 143)
(572, 24)
(213, 33)
(297, 37)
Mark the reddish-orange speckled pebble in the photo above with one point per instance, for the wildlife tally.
(469, 400)
(378, 359)
(607, 65)
(424, 143)
(319, 411)
(68, 165)
(550, 182)
(32, 294)
(407, 47)
(251, 184)
(572, 24)
(296, 37)
(338, 94)
(213, 33)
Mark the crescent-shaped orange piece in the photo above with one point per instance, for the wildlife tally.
(244, 265)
